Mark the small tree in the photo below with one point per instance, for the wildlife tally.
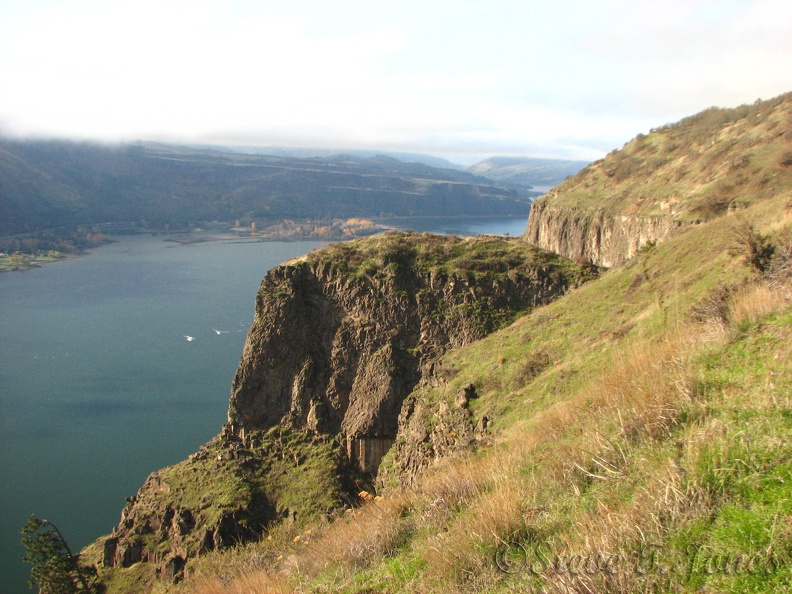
(55, 569)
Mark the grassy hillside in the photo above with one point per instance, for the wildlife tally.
(640, 441)
(695, 169)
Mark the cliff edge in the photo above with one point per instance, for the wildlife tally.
(340, 339)
(342, 336)
(716, 162)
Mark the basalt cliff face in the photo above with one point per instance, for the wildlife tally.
(605, 239)
(341, 338)
(717, 162)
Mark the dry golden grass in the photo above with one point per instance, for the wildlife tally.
(757, 301)
(352, 542)
(458, 552)
(257, 583)
(639, 400)
(364, 535)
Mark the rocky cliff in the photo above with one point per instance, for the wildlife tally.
(716, 162)
(341, 337)
(604, 238)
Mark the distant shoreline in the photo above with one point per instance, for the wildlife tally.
(286, 231)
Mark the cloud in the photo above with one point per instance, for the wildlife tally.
(681, 57)
(142, 67)
(504, 76)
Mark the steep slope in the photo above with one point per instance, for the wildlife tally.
(53, 183)
(717, 161)
(340, 338)
(639, 440)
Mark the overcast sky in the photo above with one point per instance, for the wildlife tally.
(463, 79)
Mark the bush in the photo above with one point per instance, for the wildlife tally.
(753, 246)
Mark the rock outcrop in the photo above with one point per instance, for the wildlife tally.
(603, 238)
(431, 430)
(341, 337)
(227, 493)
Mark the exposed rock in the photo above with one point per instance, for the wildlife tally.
(464, 396)
(109, 551)
(340, 339)
(157, 527)
(129, 553)
(207, 542)
(427, 434)
(605, 239)
(172, 570)
(337, 343)
(482, 426)
(183, 522)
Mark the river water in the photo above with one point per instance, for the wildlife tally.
(99, 384)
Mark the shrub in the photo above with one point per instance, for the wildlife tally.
(753, 246)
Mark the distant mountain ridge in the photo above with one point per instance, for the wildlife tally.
(526, 172)
(57, 183)
(308, 153)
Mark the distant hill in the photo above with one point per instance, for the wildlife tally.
(306, 153)
(524, 172)
(56, 183)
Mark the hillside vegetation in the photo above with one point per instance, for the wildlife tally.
(693, 170)
(633, 435)
(640, 442)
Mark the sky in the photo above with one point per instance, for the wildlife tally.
(463, 79)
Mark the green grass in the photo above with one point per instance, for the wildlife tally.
(397, 255)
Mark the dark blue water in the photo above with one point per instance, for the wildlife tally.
(99, 386)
